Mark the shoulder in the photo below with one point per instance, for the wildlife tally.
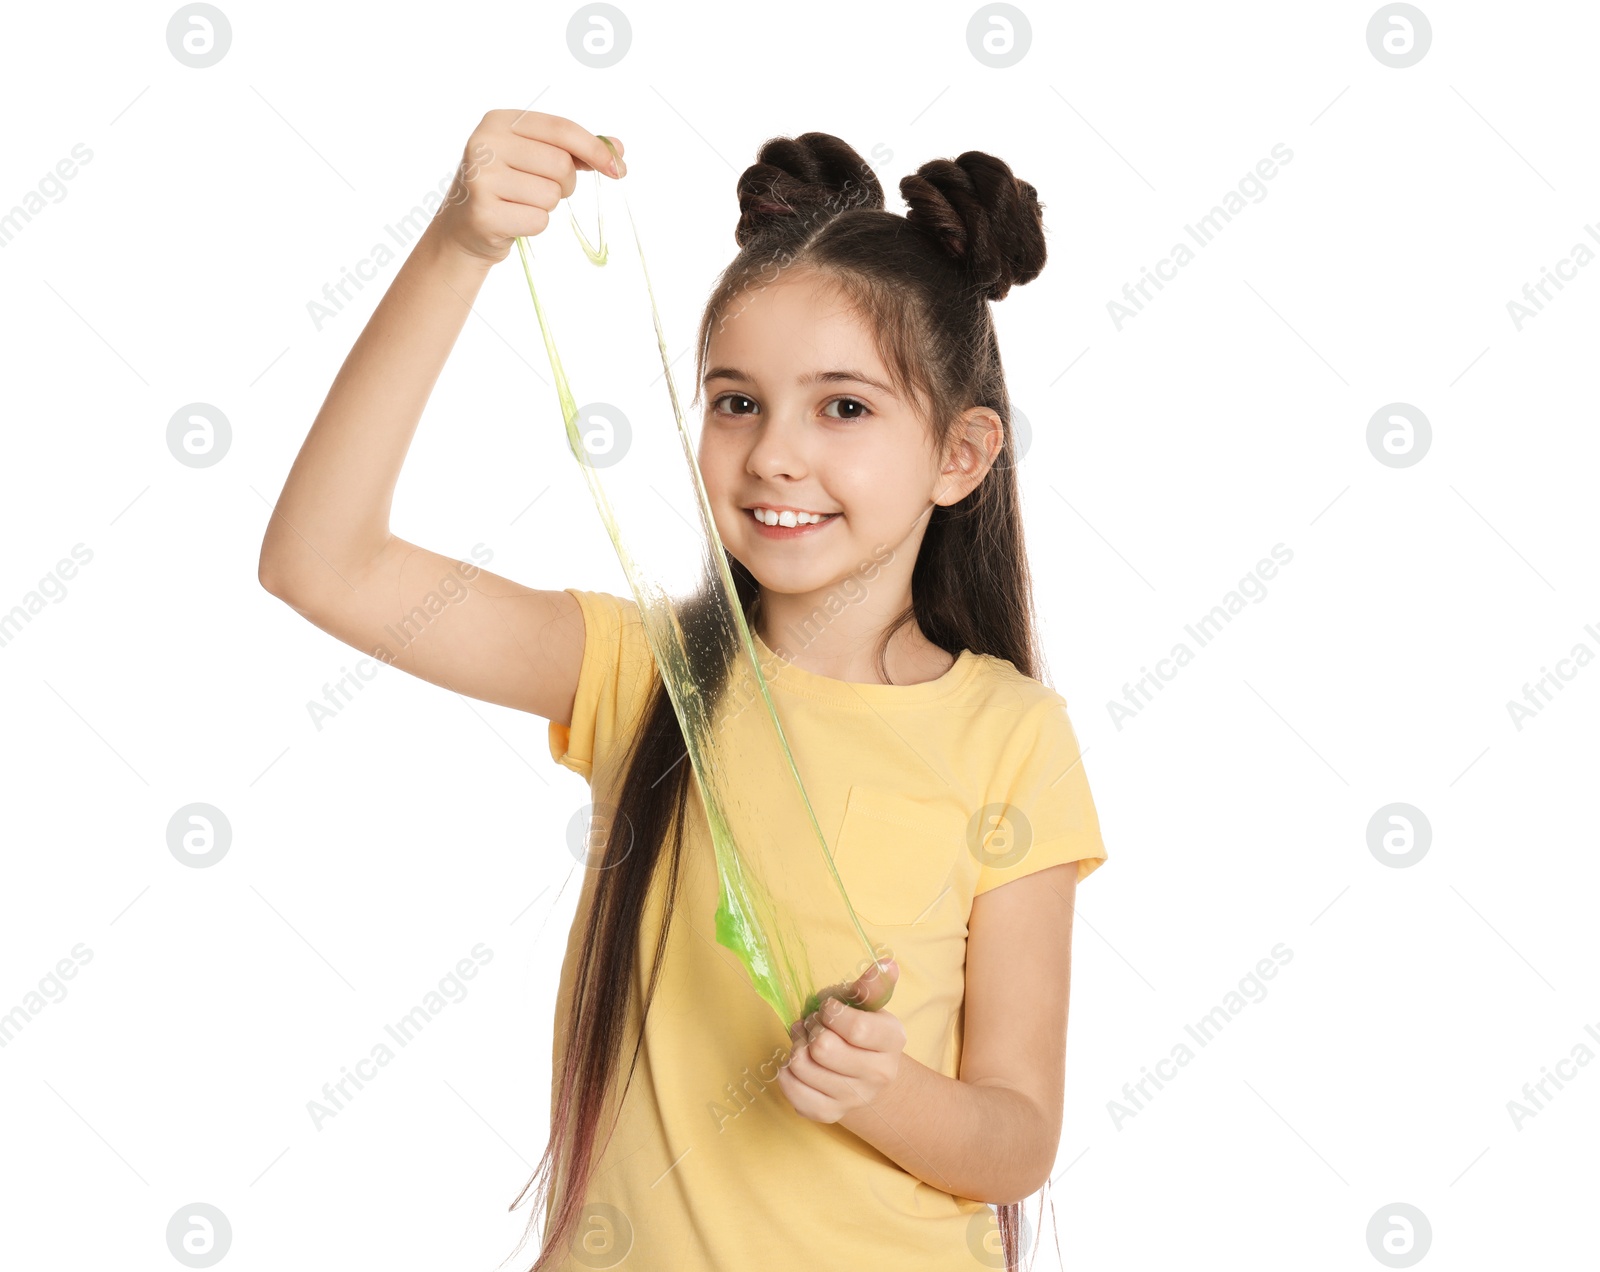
(1018, 704)
(1024, 732)
(1033, 778)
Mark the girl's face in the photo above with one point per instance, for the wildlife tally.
(799, 415)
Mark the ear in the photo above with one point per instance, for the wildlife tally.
(973, 448)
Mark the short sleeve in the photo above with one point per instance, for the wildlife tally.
(614, 682)
(1049, 817)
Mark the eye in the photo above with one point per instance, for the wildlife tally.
(722, 397)
(862, 409)
(841, 401)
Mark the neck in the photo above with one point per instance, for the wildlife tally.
(844, 645)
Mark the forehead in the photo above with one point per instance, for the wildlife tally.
(789, 327)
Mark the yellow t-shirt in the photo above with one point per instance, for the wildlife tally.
(710, 1166)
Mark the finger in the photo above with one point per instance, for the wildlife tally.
(805, 1101)
(605, 162)
(808, 1071)
(524, 187)
(586, 148)
(872, 990)
(839, 1055)
(866, 1030)
(525, 154)
(605, 158)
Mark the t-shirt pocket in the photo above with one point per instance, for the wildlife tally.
(895, 855)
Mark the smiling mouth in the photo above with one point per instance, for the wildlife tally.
(781, 531)
(799, 516)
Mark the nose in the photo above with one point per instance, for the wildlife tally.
(778, 449)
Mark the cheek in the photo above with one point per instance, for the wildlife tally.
(880, 491)
(713, 462)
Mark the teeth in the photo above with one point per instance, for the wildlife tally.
(767, 517)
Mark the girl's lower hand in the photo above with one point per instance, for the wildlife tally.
(518, 164)
(844, 1058)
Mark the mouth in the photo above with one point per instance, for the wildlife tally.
(781, 531)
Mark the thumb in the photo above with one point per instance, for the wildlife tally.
(868, 992)
(599, 153)
(874, 987)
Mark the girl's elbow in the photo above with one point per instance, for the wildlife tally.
(1015, 1186)
(1019, 1191)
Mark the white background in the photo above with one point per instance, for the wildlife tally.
(370, 855)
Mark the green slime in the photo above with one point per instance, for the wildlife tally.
(699, 638)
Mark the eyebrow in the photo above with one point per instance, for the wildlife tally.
(816, 377)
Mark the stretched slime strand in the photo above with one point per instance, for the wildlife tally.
(768, 858)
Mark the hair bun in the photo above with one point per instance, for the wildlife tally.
(814, 174)
(982, 215)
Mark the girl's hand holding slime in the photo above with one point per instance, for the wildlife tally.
(517, 165)
(845, 1057)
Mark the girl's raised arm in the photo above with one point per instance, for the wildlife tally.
(328, 551)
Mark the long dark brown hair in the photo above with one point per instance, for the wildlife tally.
(923, 283)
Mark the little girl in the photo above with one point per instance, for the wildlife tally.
(856, 449)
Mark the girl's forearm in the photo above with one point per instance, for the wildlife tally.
(333, 514)
(973, 1139)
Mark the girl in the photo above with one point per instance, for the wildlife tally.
(856, 449)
